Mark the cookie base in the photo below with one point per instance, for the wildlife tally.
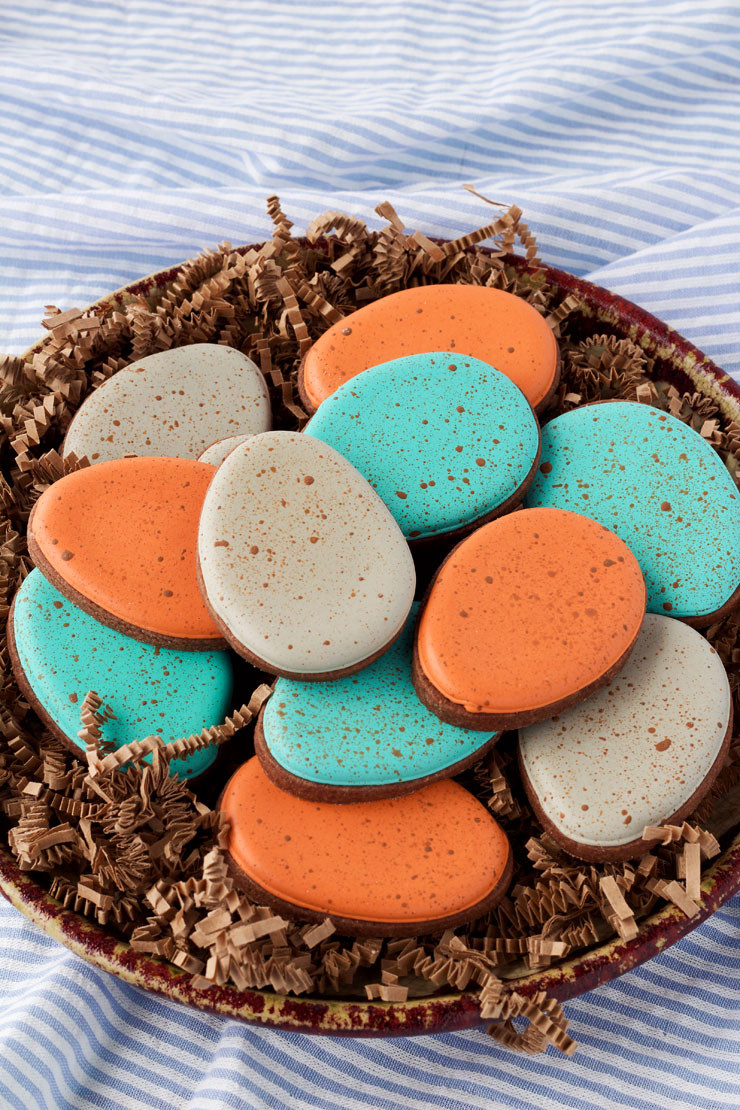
(356, 927)
(329, 792)
(633, 849)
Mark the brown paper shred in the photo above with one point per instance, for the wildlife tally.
(318, 303)
(556, 317)
(673, 892)
(621, 916)
(692, 870)
(139, 851)
(319, 932)
(387, 212)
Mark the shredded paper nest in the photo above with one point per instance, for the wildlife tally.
(117, 839)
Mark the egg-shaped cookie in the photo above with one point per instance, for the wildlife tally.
(364, 736)
(216, 452)
(174, 403)
(394, 867)
(643, 750)
(529, 614)
(659, 485)
(489, 324)
(119, 540)
(303, 568)
(59, 653)
(445, 440)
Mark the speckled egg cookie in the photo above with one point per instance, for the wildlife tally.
(59, 653)
(445, 440)
(488, 324)
(529, 614)
(217, 452)
(655, 482)
(395, 867)
(303, 568)
(642, 751)
(119, 541)
(174, 403)
(364, 736)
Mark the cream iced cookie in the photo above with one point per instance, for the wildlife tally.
(173, 403)
(215, 454)
(302, 566)
(643, 750)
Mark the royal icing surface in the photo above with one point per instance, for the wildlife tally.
(299, 557)
(64, 653)
(499, 328)
(444, 438)
(424, 856)
(529, 610)
(636, 751)
(366, 729)
(122, 535)
(174, 403)
(655, 482)
(217, 452)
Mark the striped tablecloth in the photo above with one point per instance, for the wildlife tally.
(135, 132)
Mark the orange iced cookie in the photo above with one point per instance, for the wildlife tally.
(394, 867)
(526, 616)
(497, 327)
(119, 538)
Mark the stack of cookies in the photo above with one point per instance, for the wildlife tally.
(572, 569)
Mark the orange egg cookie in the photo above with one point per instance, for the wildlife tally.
(529, 614)
(395, 867)
(119, 540)
(497, 327)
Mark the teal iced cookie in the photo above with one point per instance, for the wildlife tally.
(363, 736)
(655, 482)
(445, 439)
(59, 652)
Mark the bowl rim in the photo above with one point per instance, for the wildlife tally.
(440, 1012)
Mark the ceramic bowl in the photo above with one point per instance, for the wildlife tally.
(676, 361)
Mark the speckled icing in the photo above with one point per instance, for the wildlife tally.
(172, 403)
(444, 438)
(217, 452)
(528, 611)
(498, 327)
(363, 730)
(432, 853)
(64, 653)
(299, 557)
(638, 749)
(654, 481)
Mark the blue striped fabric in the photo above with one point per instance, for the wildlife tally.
(135, 132)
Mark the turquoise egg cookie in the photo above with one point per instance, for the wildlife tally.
(655, 482)
(363, 736)
(445, 439)
(59, 653)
